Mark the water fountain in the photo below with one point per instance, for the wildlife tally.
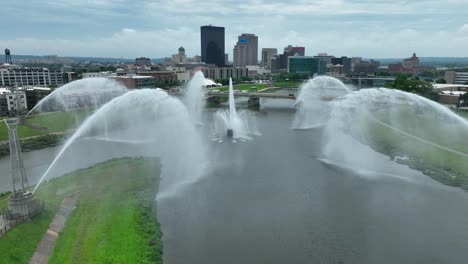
(159, 124)
(313, 101)
(89, 92)
(194, 97)
(232, 124)
(367, 127)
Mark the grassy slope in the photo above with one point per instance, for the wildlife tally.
(288, 83)
(55, 122)
(108, 225)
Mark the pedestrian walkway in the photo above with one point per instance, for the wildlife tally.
(47, 244)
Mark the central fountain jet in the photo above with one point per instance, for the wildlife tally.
(232, 110)
(237, 126)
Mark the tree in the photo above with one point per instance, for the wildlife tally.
(441, 80)
(412, 85)
(463, 100)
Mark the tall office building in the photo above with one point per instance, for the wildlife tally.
(267, 55)
(246, 50)
(212, 45)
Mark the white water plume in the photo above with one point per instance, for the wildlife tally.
(89, 92)
(368, 126)
(194, 97)
(313, 101)
(161, 126)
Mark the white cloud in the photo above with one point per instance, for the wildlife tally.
(463, 29)
(156, 28)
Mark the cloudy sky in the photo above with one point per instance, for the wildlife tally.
(130, 28)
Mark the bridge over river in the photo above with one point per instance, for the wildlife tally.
(254, 97)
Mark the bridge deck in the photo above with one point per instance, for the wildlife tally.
(261, 95)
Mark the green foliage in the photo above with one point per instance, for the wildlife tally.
(383, 73)
(288, 83)
(47, 123)
(441, 80)
(222, 81)
(113, 221)
(412, 85)
(463, 100)
(289, 77)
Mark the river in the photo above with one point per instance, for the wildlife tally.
(270, 200)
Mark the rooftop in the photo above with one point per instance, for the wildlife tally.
(443, 86)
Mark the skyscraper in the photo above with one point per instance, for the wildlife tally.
(246, 50)
(212, 45)
(267, 55)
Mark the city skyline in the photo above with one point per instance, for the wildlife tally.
(373, 29)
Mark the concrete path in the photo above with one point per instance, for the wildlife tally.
(47, 244)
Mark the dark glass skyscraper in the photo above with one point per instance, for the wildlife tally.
(212, 45)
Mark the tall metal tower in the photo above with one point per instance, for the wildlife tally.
(8, 56)
(19, 178)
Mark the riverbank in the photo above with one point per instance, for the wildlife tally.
(113, 223)
(36, 142)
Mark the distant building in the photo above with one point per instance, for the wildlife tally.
(180, 57)
(136, 82)
(395, 67)
(325, 57)
(294, 51)
(411, 62)
(306, 65)
(196, 58)
(453, 77)
(20, 76)
(70, 77)
(343, 61)
(246, 50)
(35, 94)
(365, 68)
(142, 61)
(354, 61)
(256, 71)
(267, 55)
(12, 102)
(166, 77)
(280, 62)
(336, 70)
(226, 59)
(212, 45)
(225, 72)
(104, 74)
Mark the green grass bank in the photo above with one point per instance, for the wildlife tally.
(114, 221)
